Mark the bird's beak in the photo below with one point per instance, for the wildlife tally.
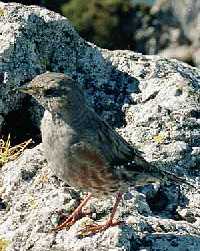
(27, 88)
(24, 89)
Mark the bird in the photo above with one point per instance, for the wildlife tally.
(83, 150)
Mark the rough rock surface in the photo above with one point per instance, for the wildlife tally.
(188, 14)
(181, 20)
(153, 101)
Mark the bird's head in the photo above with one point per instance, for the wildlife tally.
(55, 92)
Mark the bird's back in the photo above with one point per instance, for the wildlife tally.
(91, 150)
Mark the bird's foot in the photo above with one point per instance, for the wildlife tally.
(76, 215)
(97, 228)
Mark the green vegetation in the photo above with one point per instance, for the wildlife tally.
(109, 24)
(105, 22)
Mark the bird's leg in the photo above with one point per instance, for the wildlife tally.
(77, 214)
(96, 228)
(114, 209)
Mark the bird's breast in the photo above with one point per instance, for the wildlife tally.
(75, 163)
(57, 137)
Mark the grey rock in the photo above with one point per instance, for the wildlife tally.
(34, 205)
(183, 31)
(188, 14)
(154, 102)
(1, 121)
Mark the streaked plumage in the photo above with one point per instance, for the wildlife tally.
(80, 147)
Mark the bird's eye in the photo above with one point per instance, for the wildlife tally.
(53, 92)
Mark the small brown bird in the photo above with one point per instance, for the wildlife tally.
(85, 151)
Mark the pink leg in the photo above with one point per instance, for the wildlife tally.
(75, 215)
(117, 201)
(95, 228)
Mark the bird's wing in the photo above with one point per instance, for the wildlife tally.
(120, 152)
(105, 147)
(113, 147)
(86, 154)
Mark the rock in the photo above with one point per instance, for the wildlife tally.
(153, 101)
(1, 121)
(36, 198)
(188, 14)
(183, 31)
(183, 53)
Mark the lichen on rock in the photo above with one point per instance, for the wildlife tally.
(151, 101)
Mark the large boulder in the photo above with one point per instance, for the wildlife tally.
(151, 101)
(188, 14)
(182, 24)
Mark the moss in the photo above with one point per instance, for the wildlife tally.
(2, 12)
(160, 138)
(4, 244)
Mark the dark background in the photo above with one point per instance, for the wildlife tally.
(107, 23)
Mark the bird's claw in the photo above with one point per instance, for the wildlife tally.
(67, 224)
(97, 228)
(77, 214)
(69, 221)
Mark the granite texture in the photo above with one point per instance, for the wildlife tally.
(151, 101)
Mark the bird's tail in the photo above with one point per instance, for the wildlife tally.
(160, 174)
(173, 177)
